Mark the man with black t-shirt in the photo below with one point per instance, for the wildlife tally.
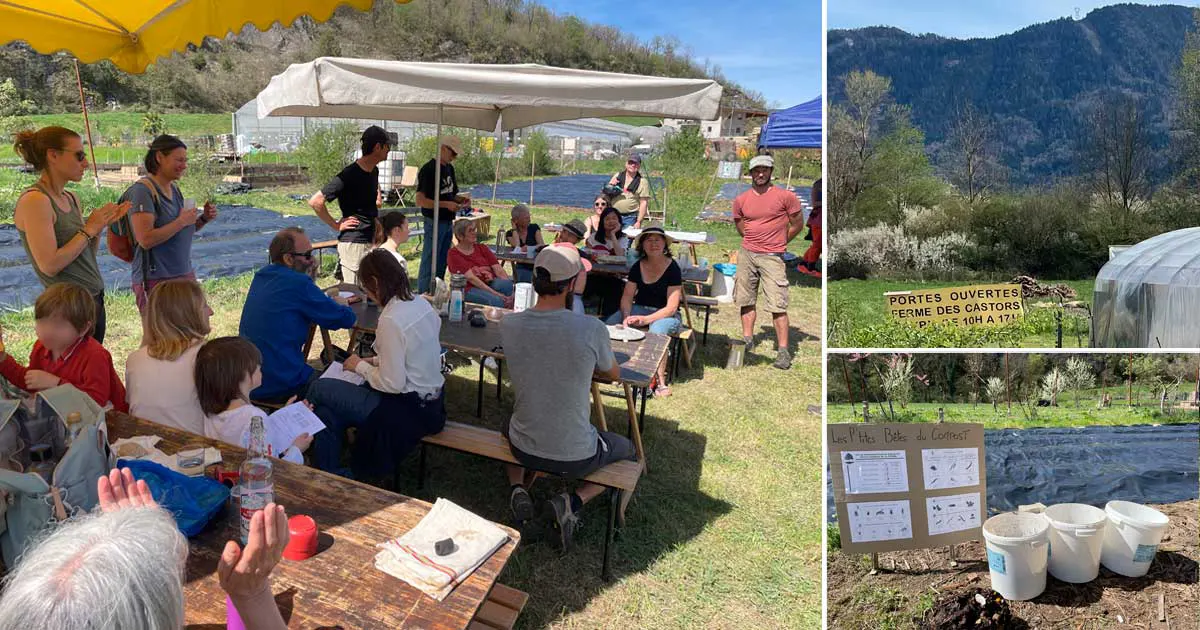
(356, 189)
(448, 200)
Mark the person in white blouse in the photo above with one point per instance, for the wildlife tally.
(401, 400)
(158, 375)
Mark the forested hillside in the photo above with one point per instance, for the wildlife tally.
(221, 75)
(1035, 85)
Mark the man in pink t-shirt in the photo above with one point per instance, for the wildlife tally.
(768, 218)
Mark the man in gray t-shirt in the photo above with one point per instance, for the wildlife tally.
(553, 354)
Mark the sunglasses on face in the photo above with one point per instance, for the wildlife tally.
(601, 205)
(307, 254)
(79, 155)
(631, 163)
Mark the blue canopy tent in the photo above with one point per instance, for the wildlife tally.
(797, 127)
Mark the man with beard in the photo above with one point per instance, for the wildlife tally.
(282, 305)
(768, 218)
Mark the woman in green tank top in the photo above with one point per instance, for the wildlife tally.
(61, 245)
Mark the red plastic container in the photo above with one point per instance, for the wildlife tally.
(302, 544)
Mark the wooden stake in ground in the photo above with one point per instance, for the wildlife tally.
(1129, 396)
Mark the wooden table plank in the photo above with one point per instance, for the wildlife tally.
(339, 586)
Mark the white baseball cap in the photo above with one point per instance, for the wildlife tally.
(762, 160)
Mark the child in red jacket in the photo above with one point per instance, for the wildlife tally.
(65, 351)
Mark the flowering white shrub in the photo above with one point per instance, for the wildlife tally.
(889, 249)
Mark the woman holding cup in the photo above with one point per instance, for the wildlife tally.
(162, 222)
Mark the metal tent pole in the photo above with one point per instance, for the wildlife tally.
(87, 123)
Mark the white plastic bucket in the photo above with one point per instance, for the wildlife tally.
(722, 285)
(1132, 536)
(1076, 538)
(1017, 552)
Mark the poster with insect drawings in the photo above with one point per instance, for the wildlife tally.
(925, 484)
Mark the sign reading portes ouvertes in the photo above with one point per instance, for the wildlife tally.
(978, 305)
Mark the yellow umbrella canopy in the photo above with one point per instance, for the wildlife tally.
(134, 33)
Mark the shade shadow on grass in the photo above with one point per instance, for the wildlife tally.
(668, 508)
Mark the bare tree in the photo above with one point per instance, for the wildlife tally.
(971, 150)
(853, 127)
(1115, 152)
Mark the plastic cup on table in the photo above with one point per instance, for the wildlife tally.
(302, 541)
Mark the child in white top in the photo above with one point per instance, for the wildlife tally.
(227, 370)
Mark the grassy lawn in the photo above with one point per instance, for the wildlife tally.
(1066, 414)
(721, 531)
(861, 303)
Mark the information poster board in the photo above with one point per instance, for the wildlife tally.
(977, 305)
(907, 486)
(729, 170)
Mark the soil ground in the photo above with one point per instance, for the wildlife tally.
(910, 581)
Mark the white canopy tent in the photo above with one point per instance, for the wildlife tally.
(477, 96)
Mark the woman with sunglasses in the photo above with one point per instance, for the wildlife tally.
(592, 223)
(60, 243)
(163, 226)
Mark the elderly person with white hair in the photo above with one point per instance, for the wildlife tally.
(123, 568)
(524, 233)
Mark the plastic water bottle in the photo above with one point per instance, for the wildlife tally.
(257, 477)
(457, 293)
(630, 256)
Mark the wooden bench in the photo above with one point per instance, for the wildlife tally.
(501, 609)
(619, 477)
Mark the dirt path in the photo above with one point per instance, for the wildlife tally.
(909, 582)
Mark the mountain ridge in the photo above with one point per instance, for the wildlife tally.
(1035, 83)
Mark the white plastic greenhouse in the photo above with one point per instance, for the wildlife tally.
(1147, 295)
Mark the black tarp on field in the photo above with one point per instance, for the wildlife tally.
(235, 243)
(1092, 465)
(575, 191)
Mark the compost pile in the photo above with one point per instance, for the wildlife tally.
(981, 609)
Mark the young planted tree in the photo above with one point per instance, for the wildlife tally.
(1053, 384)
(994, 389)
(974, 366)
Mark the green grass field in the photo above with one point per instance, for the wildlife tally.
(721, 532)
(861, 303)
(1066, 414)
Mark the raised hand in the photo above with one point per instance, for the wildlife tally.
(246, 573)
(119, 491)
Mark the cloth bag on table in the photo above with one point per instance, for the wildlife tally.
(412, 557)
(29, 505)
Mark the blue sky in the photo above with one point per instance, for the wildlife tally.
(962, 18)
(772, 47)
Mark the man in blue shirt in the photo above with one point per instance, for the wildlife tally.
(281, 306)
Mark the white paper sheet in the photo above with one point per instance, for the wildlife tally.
(879, 520)
(286, 424)
(872, 472)
(953, 513)
(337, 371)
(950, 467)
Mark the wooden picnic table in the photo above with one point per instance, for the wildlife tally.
(340, 586)
(639, 360)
